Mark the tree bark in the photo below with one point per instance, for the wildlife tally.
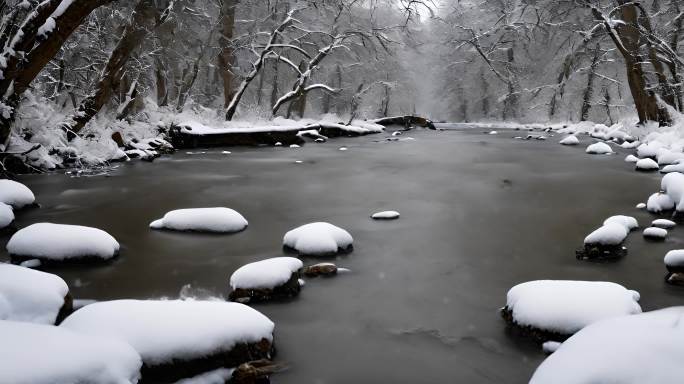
(226, 57)
(589, 91)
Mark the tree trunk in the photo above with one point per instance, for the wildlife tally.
(226, 57)
(162, 89)
(589, 91)
(143, 19)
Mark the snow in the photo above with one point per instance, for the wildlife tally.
(655, 233)
(6, 215)
(60, 242)
(162, 331)
(675, 258)
(666, 157)
(647, 165)
(659, 202)
(570, 140)
(673, 168)
(639, 349)
(631, 159)
(599, 149)
(43, 354)
(627, 221)
(649, 150)
(663, 223)
(385, 215)
(641, 206)
(15, 194)
(610, 234)
(566, 306)
(550, 346)
(318, 239)
(29, 295)
(217, 376)
(220, 219)
(493, 132)
(265, 274)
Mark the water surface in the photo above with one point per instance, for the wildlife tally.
(479, 214)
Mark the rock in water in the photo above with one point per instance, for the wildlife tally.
(385, 215)
(265, 280)
(218, 220)
(318, 239)
(321, 269)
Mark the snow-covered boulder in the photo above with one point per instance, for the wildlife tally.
(179, 337)
(674, 261)
(659, 202)
(647, 165)
(60, 242)
(318, 239)
(631, 159)
(15, 194)
(266, 279)
(649, 150)
(570, 140)
(641, 206)
(385, 215)
(6, 215)
(628, 222)
(556, 309)
(666, 157)
(663, 223)
(655, 233)
(599, 148)
(32, 296)
(44, 354)
(673, 168)
(638, 349)
(220, 219)
(606, 241)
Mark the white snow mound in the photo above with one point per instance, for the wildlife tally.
(265, 274)
(6, 215)
(609, 234)
(647, 165)
(29, 295)
(15, 194)
(385, 215)
(162, 331)
(61, 242)
(675, 258)
(659, 202)
(220, 219)
(44, 354)
(663, 223)
(639, 349)
(631, 159)
(599, 149)
(655, 233)
(628, 222)
(318, 239)
(570, 140)
(566, 306)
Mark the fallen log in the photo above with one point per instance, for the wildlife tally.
(406, 121)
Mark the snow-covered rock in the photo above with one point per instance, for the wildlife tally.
(385, 215)
(266, 279)
(663, 223)
(647, 165)
(178, 332)
(673, 168)
(610, 234)
(220, 219)
(15, 194)
(673, 185)
(659, 202)
(6, 215)
(631, 159)
(638, 349)
(629, 144)
(550, 347)
(564, 307)
(321, 269)
(655, 233)
(666, 157)
(295, 146)
(674, 260)
(318, 239)
(59, 242)
(216, 376)
(493, 132)
(43, 354)
(599, 149)
(32, 296)
(649, 149)
(641, 206)
(570, 140)
(628, 222)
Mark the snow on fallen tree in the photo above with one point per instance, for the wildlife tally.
(15, 194)
(318, 239)
(32, 296)
(606, 241)
(555, 309)
(192, 134)
(266, 279)
(406, 121)
(43, 354)
(219, 219)
(638, 349)
(178, 339)
(60, 242)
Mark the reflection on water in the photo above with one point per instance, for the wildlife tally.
(479, 214)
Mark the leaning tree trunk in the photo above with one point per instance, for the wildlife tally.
(589, 91)
(36, 54)
(226, 57)
(145, 15)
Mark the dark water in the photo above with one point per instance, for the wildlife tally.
(479, 213)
